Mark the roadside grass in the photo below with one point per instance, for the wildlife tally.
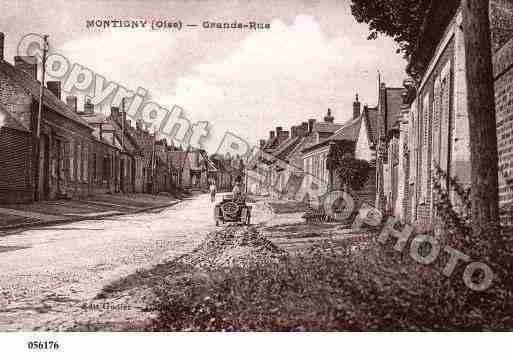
(347, 287)
(281, 207)
(338, 282)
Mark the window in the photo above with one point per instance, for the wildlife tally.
(105, 168)
(94, 168)
(72, 160)
(86, 164)
(426, 107)
(78, 159)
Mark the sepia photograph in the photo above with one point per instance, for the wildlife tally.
(340, 169)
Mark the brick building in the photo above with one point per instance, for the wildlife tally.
(388, 111)
(65, 139)
(194, 169)
(434, 126)
(15, 157)
(114, 152)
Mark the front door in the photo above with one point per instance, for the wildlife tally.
(122, 174)
(44, 168)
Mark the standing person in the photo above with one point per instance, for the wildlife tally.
(236, 191)
(213, 192)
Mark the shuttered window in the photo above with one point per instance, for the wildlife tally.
(445, 117)
(78, 157)
(86, 163)
(71, 160)
(425, 147)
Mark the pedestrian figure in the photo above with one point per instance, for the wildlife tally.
(213, 192)
(236, 191)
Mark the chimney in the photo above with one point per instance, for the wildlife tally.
(262, 144)
(311, 123)
(271, 135)
(114, 111)
(72, 102)
(293, 131)
(2, 41)
(329, 118)
(356, 108)
(54, 87)
(301, 130)
(28, 64)
(88, 107)
(282, 135)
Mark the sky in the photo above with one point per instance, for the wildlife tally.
(315, 56)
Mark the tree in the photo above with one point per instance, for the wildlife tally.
(481, 114)
(404, 20)
(399, 19)
(352, 172)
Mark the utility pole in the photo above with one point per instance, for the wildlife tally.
(37, 140)
(153, 162)
(123, 116)
(481, 115)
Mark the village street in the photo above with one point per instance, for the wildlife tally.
(48, 273)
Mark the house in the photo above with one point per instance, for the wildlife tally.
(165, 174)
(195, 170)
(277, 164)
(435, 122)
(146, 166)
(262, 175)
(229, 171)
(114, 150)
(15, 156)
(390, 101)
(65, 138)
(322, 138)
(366, 142)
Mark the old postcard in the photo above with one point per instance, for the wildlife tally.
(255, 166)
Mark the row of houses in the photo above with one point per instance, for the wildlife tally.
(307, 147)
(412, 129)
(84, 152)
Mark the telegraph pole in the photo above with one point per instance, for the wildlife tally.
(123, 115)
(37, 140)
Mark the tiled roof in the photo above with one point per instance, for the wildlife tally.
(283, 150)
(371, 121)
(33, 88)
(8, 120)
(271, 143)
(394, 101)
(326, 127)
(93, 118)
(347, 132)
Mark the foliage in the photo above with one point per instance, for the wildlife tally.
(399, 19)
(351, 171)
(346, 286)
(456, 222)
(492, 244)
(404, 21)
